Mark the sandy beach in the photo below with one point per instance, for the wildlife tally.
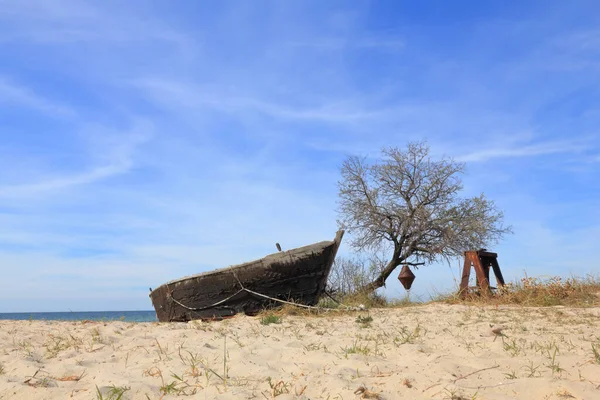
(433, 351)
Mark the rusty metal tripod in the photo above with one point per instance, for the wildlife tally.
(481, 260)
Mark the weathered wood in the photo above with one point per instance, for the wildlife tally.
(497, 272)
(481, 261)
(298, 275)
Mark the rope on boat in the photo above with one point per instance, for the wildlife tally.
(347, 308)
(243, 289)
(207, 307)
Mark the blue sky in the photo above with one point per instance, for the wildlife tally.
(143, 141)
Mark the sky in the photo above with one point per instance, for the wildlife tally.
(142, 141)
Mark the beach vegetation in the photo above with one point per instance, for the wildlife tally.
(564, 394)
(57, 343)
(532, 370)
(511, 375)
(327, 302)
(452, 394)
(180, 386)
(512, 346)
(364, 321)
(170, 388)
(406, 208)
(538, 292)
(356, 348)
(270, 319)
(349, 276)
(406, 335)
(25, 347)
(313, 346)
(596, 352)
(70, 378)
(40, 379)
(236, 338)
(553, 364)
(278, 388)
(112, 393)
(162, 352)
(367, 394)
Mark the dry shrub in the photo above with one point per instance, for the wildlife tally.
(542, 292)
(552, 291)
(350, 275)
(369, 300)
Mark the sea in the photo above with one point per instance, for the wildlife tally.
(129, 316)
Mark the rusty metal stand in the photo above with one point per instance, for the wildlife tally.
(481, 260)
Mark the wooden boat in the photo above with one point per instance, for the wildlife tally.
(298, 275)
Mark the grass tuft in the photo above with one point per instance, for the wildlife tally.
(364, 321)
(278, 388)
(367, 300)
(356, 348)
(595, 351)
(113, 393)
(270, 319)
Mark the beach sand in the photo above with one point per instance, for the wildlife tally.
(433, 351)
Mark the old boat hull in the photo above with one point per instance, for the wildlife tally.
(297, 275)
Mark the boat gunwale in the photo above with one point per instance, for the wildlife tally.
(323, 244)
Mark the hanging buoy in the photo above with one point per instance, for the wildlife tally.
(406, 277)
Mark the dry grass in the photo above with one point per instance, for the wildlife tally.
(345, 305)
(70, 378)
(531, 292)
(540, 292)
(369, 300)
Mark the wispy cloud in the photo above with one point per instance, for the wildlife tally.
(12, 94)
(58, 183)
(340, 44)
(178, 95)
(62, 22)
(117, 158)
(530, 150)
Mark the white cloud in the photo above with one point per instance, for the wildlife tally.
(177, 95)
(52, 184)
(117, 157)
(346, 43)
(12, 94)
(531, 150)
(64, 21)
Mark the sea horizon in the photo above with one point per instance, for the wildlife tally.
(126, 315)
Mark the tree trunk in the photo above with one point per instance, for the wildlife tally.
(380, 280)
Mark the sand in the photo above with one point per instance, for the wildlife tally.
(434, 351)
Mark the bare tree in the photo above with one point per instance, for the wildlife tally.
(349, 275)
(410, 203)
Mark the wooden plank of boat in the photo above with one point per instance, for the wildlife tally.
(297, 275)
